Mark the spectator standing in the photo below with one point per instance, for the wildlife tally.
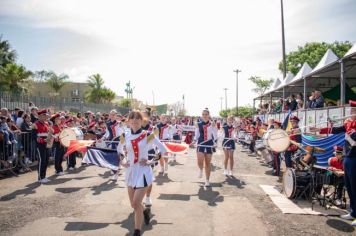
(318, 100)
(292, 103)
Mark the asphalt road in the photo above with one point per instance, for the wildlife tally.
(86, 202)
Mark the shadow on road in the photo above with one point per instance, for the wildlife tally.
(126, 224)
(106, 175)
(29, 189)
(175, 197)
(231, 180)
(340, 225)
(210, 196)
(162, 179)
(175, 163)
(97, 190)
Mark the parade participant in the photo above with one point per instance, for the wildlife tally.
(205, 137)
(148, 127)
(349, 128)
(294, 135)
(113, 131)
(276, 156)
(71, 159)
(164, 131)
(41, 129)
(337, 167)
(176, 134)
(139, 174)
(228, 145)
(253, 132)
(58, 149)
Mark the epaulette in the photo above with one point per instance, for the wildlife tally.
(151, 137)
(122, 138)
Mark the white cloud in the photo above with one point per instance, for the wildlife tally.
(174, 47)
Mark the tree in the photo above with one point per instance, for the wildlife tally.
(125, 102)
(56, 82)
(42, 75)
(98, 93)
(312, 54)
(243, 111)
(224, 113)
(14, 78)
(7, 55)
(261, 85)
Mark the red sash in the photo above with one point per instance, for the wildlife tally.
(134, 143)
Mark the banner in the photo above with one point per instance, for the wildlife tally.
(187, 128)
(326, 143)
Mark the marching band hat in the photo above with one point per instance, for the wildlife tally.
(277, 122)
(55, 116)
(352, 103)
(294, 118)
(338, 149)
(69, 120)
(113, 111)
(43, 112)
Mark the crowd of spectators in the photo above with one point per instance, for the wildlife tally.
(295, 102)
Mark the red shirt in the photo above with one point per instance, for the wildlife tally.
(337, 164)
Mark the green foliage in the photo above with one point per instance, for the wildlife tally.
(312, 53)
(243, 111)
(261, 85)
(41, 76)
(14, 78)
(7, 55)
(98, 93)
(125, 102)
(56, 82)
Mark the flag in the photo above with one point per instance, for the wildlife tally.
(176, 148)
(78, 145)
(102, 157)
(287, 125)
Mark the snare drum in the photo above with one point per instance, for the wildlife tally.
(259, 145)
(241, 135)
(69, 134)
(248, 138)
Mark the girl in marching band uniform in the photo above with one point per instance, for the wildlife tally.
(139, 175)
(165, 133)
(229, 145)
(176, 134)
(205, 137)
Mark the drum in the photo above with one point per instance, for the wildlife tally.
(295, 182)
(277, 140)
(248, 138)
(259, 145)
(69, 134)
(89, 136)
(241, 135)
(267, 156)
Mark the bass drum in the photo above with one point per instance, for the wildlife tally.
(241, 135)
(295, 182)
(259, 145)
(277, 140)
(69, 134)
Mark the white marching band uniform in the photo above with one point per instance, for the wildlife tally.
(138, 176)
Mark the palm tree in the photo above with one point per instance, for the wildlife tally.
(98, 93)
(56, 82)
(14, 78)
(7, 55)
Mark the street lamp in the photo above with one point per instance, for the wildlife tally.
(237, 90)
(225, 98)
(283, 43)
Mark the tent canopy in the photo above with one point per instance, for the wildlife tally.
(333, 94)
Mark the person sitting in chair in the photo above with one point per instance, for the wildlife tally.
(336, 165)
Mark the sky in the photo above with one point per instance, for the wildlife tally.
(170, 48)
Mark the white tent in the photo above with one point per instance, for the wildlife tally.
(328, 58)
(306, 69)
(351, 51)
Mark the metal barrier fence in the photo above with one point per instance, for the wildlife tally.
(59, 104)
(17, 150)
(315, 117)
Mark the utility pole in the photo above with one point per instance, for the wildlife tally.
(225, 98)
(283, 44)
(237, 90)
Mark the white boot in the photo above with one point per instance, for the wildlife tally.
(148, 201)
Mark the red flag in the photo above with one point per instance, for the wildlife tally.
(177, 148)
(78, 145)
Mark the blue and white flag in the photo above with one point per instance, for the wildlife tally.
(102, 157)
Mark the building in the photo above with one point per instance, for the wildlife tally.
(73, 91)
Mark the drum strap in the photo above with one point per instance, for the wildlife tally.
(350, 140)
